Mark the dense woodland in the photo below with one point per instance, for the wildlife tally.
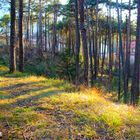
(78, 42)
(87, 43)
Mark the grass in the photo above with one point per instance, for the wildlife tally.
(33, 107)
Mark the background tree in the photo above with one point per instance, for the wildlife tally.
(12, 37)
(135, 79)
(21, 52)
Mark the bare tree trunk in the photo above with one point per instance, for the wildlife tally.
(96, 44)
(31, 31)
(28, 20)
(84, 40)
(127, 61)
(46, 32)
(21, 53)
(12, 38)
(104, 54)
(54, 43)
(135, 79)
(40, 26)
(37, 34)
(110, 47)
(49, 44)
(121, 55)
(90, 50)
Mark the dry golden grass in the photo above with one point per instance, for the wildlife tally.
(33, 107)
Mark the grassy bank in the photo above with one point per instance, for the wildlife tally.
(33, 107)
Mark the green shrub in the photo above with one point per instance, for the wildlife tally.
(36, 68)
(66, 66)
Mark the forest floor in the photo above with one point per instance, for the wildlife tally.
(38, 108)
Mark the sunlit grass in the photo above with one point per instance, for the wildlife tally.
(36, 107)
(90, 108)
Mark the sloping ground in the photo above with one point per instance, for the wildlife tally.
(37, 108)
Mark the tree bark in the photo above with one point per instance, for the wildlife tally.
(127, 61)
(121, 55)
(12, 38)
(54, 43)
(135, 79)
(110, 47)
(28, 21)
(84, 40)
(21, 53)
(96, 43)
(40, 27)
(77, 50)
(90, 50)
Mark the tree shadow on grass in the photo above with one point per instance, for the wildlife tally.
(32, 101)
(31, 90)
(24, 88)
(19, 85)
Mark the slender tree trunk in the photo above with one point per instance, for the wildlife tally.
(96, 43)
(54, 43)
(135, 79)
(48, 22)
(37, 34)
(110, 47)
(117, 52)
(84, 40)
(127, 60)
(90, 50)
(40, 27)
(104, 54)
(30, 35)
(46, 32)
(28, 21)
(121, 55)
(21, 53)
(12, 38)
(93, 48)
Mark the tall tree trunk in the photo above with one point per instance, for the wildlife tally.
(121, 55)
(96, 43)
(28, 21)
(127, 61)
(40, 27)
(12, 38)
(135, 79)
(84, 40)
(21, 53)
(37, 34)
(77, 50)
(104, 54)
(46, 41)
(54, 43)
(30, 34)
(110, 47)
(90, 50)
(117, 51)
